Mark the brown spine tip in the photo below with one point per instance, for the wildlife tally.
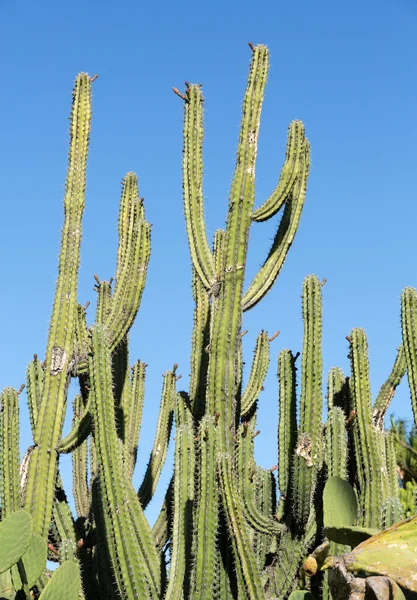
(86, 305)
(35, 357)
(256, 433)
(251, 46)
(96, 278)
(176, 91)
(187, 84)
(20, 390)
(94, 77)
(323, 281)
(274, 468)
(276, 334)
(178, 377)
(53, 549)
(174, 368)
(244, 332)
(349, 339)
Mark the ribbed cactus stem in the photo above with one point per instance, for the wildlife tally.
(9, 452)
(42, 471)
(386, 393)
(201, 255)
(287, 427)
(133, 414)
(337, 390)
(79, 468)
(336, 443)
(130, 544)
(34, 385)
(289, 173)
(257, 375)
(199, 342)
(409, 334)
(306, 459)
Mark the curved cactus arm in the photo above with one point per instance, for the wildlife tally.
(131, 282)
(237, 528)
(409, 335)
(79, 468)
(201, 255)
(122, 389)
(288, 176)
(42, 469)
(63, 526)
(366, 446)
(161, 441)
(10, 493)
(34, 385)
(387, 390)
(184, 469)
(287, 428)
(131, 209)
(131, 547)
(268, 273)
(336, 443)
(337, 390)
(133, 414)
(206, 516)
(161, 530)
(257, 375)
(266, 501)
(309, 441)
(246, 474)
(199, 342)
(81, 426)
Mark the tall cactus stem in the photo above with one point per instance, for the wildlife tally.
(9, 452)
(257, 375)
(409, 334)
(386, 393)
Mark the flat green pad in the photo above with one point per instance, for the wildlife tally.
(15, 536)
(339, 503)
(34, 561)
(349, 536)
(301, 595)
(392, 552)
(65, 583)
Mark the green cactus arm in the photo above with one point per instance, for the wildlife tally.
(201, 255)
(336, 443)
(265, 497)
(80, 356)
(392, 508)
(131, 282)
(81, 426)
(161, 441)
(161, 530)
(387, 390)
(133, 414)
(184, 468)
(306, 457)
(199, 342)
(10, 493)
(409, 335)
(79, 460)
(34, 385)
(42, 469)
(131, 208)
(122, 389)
(257, 375)
(206, 516)
(237, 527)
(246, 474)
(104, 298)
(288, 176)
(268, 273)
(63, 525)
(337, 390)
(287, 428)
(130, 545)
(366, 446)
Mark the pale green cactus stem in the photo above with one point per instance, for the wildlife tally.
(287, 429)
(184, 470)
(409, 334)
(206, 514)
(336, 443)
(10, 493)
(388, 388)
(104, 297)
(257, 375)
(161, 528)
(289, 173)
(199, 342)
(81, 428)
(81, 341)
(264, 491)
(79, 467)
(201, 255)
(34, 385)
(43, 464)
(337, 390)
(131, 547)
(368, 465)
(133, 414)
(161, 441)
(309, 441)
(268, 273)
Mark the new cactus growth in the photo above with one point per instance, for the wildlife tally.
(227, 535)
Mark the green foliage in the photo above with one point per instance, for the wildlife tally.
(228, 535)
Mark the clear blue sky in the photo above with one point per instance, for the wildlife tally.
(346, 69)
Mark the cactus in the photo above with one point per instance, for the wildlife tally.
(227, 534)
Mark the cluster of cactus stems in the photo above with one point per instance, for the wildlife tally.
(225, 530)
